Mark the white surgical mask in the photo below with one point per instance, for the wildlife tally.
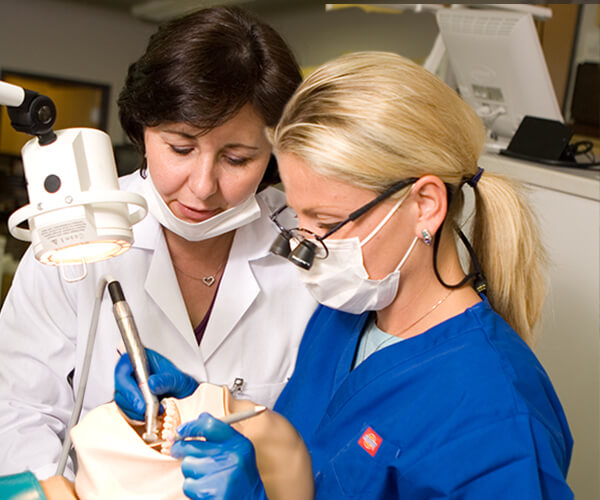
(220, 223)
(340, 281)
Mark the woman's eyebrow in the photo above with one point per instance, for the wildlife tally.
(240, 145)
(189, 135)
(321, 211)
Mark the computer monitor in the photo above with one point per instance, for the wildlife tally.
(499, 68)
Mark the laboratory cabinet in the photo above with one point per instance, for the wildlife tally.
(567, 202)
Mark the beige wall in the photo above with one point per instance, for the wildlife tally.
(317, 36)
(75, 41)
(72, 41)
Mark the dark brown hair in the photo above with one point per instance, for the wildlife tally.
(201, 69)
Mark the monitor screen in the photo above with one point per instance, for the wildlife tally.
(499, 68)
(78, 104)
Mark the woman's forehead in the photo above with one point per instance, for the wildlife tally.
(308, 191)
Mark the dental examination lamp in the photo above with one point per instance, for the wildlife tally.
(77, 215)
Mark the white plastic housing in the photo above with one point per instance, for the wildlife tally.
(76, 212)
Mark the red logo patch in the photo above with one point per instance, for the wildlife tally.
(370, 441)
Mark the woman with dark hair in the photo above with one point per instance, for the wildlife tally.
(200, 280)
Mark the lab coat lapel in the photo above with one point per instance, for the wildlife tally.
(237, 291)
(161, 284)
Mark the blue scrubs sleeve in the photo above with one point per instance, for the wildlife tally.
(507, 459)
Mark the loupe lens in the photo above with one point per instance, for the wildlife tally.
(304, 254)
(281, 245)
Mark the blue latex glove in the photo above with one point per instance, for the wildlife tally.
(165, 380)
(223, 467)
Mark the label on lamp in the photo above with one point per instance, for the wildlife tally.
(67, 233)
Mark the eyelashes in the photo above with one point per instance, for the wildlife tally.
(231, 160)
(327, 227)
(237, 162)
(181, 151)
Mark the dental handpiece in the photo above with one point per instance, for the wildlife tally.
(137, 356)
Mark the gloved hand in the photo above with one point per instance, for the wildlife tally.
(165, 380)
(223, 467)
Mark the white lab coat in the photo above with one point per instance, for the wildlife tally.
(253, 333)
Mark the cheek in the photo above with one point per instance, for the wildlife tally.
(167, 177)
(383, 253)
(237, 184)
(165, 182)
(380, 260)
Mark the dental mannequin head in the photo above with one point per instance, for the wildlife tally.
(365, 121)
(115, 462)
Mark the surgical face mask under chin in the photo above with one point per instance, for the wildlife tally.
(217, 225)
(340, 281)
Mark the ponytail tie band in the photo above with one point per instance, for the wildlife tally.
(475, 179)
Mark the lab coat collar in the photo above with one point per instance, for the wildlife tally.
(145, 232)
(161, 284)
(240, 284)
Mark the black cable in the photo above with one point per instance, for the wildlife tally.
(479, 281)
(573, 149)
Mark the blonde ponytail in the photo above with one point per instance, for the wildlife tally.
(508, 245)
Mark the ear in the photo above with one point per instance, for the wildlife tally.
(430, 195)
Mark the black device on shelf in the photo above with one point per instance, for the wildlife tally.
(548, 142)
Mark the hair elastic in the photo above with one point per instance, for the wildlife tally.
(475, 179)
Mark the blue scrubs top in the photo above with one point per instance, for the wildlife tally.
(464, 410)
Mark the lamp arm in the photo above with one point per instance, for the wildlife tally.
(85, 370)
(29, 112)
(11, 95)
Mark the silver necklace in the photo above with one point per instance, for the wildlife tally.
(435, 306)
(207, 280)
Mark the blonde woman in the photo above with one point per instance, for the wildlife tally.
(410, 382)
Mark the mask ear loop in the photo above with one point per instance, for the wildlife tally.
(382, 223)
(407, 254)
(385, 219)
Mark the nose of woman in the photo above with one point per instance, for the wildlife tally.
(203, 179)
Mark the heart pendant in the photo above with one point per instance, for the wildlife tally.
(208, 280)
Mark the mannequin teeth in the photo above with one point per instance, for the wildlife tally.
(171, 420)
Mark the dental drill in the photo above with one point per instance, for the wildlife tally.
(137, 356)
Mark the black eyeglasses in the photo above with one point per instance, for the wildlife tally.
(301, 246)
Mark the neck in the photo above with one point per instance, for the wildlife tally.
(208, 254)
(422, 301)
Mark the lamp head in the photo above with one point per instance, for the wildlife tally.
(76, 214)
